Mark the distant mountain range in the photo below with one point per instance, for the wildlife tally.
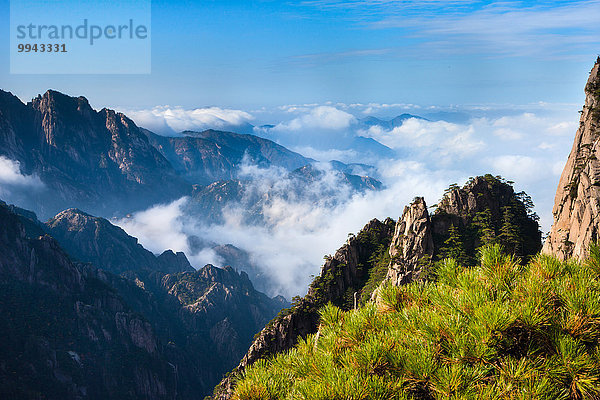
(205, 157)
(353, 140)
(103, 163)
(388, 124)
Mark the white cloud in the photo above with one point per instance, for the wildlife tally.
(13, 181)
(441, 141)
(326, 155)
(158, 228)
(318, 117)
(506, 28)
(166, 119)
(522, 169)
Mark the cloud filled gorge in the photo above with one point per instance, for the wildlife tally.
(17, 187)
(297, 228)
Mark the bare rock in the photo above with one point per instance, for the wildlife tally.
(577, 202)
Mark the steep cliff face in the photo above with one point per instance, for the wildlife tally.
(97, 241)
(65, 333)
(200, 323)
(485, 210)
(342, 275)
(577, 202)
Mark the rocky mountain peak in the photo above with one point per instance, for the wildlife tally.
(412, 243)
(577, 203)
(466, 217)
(96, 240)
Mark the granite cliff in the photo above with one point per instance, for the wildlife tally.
(96, 160)
(577, 203)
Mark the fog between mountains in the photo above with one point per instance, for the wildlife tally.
(526, 147)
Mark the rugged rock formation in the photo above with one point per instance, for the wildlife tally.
(482, 210)
(200, 323)
(342, 275)
(224, 304)
(412, 244)
(577, 202)
(97, 241)
(486, 209)
(96, 160)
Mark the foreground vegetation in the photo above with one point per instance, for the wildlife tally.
(499, 330)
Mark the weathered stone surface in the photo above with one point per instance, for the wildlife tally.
(577, 202)
(65, 333)
(412, 243)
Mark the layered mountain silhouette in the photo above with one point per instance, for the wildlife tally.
(103, 163)
(89, 313)
(205, 157)
(108, 319)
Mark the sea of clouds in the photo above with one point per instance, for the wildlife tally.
(528, 145)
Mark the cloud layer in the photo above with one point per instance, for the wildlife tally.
(167, 120)
(528, 147)
(13, 182)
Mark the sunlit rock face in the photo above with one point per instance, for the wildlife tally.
(577, 202)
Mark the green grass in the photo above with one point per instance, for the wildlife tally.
(499, 330)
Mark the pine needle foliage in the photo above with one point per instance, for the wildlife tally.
(498, 330)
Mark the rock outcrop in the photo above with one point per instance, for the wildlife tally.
(482, 210)
(412, 244)
(577, 202)
(95, 160)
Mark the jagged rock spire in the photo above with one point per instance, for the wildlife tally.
(411, 242)
(577, 202)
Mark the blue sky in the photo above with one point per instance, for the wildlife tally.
(248, 54)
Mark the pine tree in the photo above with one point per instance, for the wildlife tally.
(454, 247)
(485, 227)
(510, 233)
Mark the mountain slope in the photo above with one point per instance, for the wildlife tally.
(66, 333)
(208, 156)
(498, 330)
(577, 202)
(398, 254)
(97, 241)
(199, 322)
(96, 160)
